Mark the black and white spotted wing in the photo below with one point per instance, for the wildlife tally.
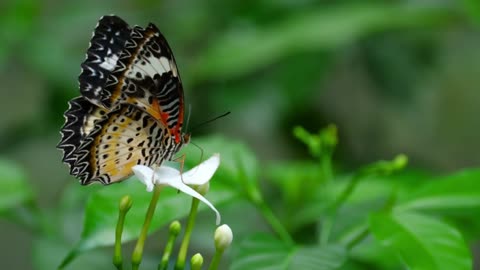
(106, 46)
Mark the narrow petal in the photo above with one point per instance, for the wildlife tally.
(177, 183)
(203, 172)
(145, 175)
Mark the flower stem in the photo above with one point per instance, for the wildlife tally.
(125, 204)
(275, 224)
(182, 253)
(175, 228)
(216, 260)
(138, 251)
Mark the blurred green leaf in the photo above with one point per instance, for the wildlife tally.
(422, 242)
(18, 20)
(455, 194)
(296, 179)
(373, 254)
(46, 254)
(473, 8)
(14, 188)
(266, 252)
(245, 50)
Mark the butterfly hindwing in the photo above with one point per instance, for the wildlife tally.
(125, 137)
(79, 121)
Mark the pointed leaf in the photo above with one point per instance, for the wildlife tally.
(456, 194)
(422, 242)
(264, 252)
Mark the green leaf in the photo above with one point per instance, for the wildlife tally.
(14, 189)
(237, 166)
(298, 180)
(422, 242)
(455, 194)
(473, 8)
(45, 255)
(246, 50)
(264, 252)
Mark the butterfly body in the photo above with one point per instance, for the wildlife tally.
(131, 109)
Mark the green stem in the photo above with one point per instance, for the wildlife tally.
(328, 221)
(326, 165)
(125, 204)
(358, 238)
(275, 223)
(346, 193)
(138, 250)
(117, 255)
(326, 229)
(166, 254)
(173, 233)
(182, 253)
(215, 260)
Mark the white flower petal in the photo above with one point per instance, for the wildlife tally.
(144, 174)
(166, 172)
(203, 172)
(190, 191)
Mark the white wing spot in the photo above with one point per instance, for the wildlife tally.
(153, 66)
(110, 62)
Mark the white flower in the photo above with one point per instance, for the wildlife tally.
(197, 176)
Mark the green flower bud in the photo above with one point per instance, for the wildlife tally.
(125, 203)
(400, 161)
(196, 261)
(175, 228)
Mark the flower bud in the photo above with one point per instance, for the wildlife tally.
(400, 161)
(125, 203)
(223, 237)
(175, 228)
(196, 262)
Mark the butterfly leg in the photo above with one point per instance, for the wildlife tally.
(181, 160)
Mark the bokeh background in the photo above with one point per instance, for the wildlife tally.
(394, 76)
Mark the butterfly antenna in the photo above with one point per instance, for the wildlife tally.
(210, 120)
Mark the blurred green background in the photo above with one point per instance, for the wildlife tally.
(394, 76)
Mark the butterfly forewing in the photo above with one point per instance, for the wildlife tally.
(147, 76)
(107, 43)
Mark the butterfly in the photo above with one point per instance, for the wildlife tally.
(131, 106)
